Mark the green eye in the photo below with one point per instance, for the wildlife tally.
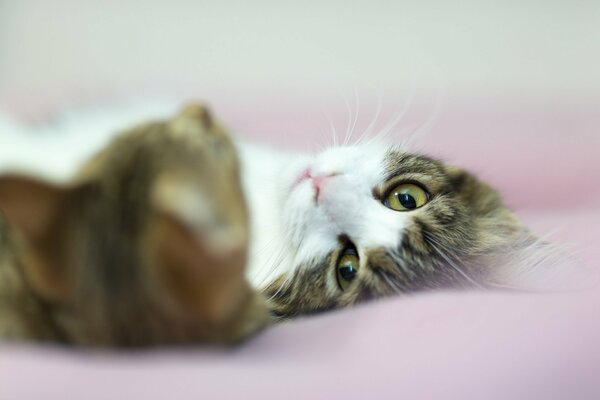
(347, 267)
(406, 197)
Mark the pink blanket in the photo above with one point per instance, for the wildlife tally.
(454, 346)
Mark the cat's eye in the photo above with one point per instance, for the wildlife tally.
(347, 267)
(406, 197)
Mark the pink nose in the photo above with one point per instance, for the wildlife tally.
(319, 182)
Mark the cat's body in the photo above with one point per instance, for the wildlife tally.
(145, 245)
(349, 224)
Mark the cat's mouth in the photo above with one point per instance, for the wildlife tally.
(317, 181)
(304, 175)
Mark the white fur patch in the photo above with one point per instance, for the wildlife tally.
(300, 230)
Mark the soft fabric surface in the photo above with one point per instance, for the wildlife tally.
(453, 346)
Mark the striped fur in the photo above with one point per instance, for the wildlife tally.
(455, 241)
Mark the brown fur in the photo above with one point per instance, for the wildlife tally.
(146, 246)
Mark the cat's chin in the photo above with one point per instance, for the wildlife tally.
(302, 197)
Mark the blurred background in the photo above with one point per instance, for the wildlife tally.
(509, 89)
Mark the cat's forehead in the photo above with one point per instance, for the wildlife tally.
(429, 173)
(381, 161)
(365, 159)
(398, 162)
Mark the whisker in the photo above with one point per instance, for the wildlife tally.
(406, 106)
(275, 258)
(289, 276)
(440, 93)
(349, 122)
(357, 102)
(283, 284)
(373, 121)
(448, 258)
(331, 126)
(394, 253)
(389, 281)
(318, 144)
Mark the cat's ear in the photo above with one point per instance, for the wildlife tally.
(480, 197)
(198, 252)
(516, 258)
(34, 209)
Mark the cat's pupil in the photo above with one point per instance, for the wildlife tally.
(347, 272)
(407, 201)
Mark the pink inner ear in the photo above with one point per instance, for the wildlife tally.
(30, 206)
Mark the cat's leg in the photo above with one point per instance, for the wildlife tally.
(210, 228)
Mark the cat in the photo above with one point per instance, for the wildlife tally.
(370, 220)
(327, 230)
(146, 245)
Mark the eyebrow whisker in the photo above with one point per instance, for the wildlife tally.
(384, 275)
(436, 245)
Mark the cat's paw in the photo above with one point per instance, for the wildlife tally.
(196, 119)
(155, 228)
(203, 227)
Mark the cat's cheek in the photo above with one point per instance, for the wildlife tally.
(301, 202)
(344, 203)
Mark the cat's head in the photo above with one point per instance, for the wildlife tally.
(369, 221)
(147, 245)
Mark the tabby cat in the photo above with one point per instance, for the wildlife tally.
(370, 220)
(148, 243)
